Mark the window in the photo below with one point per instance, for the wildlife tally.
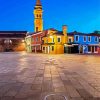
(37, 39)
(40, 15)
(43, 48)
(84, 38)
(99, 39)
(89, 48)
(46, 41)
(96, 48)
(40, 38)
(69, 40)
(52, 48)
(96, 39)
(36, 29)
(59, 39)
(77, 38)
(89, 38)
(53, 40)
(32, 39)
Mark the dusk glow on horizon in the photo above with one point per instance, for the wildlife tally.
(79, 15)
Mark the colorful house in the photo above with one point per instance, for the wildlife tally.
(54, 41)
(34, 41)
(28, 43)
(85, 43)
(37, 41)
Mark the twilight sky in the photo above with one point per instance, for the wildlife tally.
(79, 15)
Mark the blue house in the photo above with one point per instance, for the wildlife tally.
(86, 43)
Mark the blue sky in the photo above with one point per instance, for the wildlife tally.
(79, 15)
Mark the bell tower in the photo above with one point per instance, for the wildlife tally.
(38, 21)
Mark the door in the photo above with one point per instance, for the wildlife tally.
(46, 50)
(93, 49)
(8, 45)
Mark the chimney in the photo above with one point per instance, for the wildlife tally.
(64, 30)
(65, 33)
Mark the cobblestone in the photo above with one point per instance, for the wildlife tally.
(33, 76)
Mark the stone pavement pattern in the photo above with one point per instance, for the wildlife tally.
(33, 76)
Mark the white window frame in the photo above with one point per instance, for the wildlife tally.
(78, 38)
(95, 50)
(95, 39)
(99, 39)
(58, 37)
(88, 38)
(84, 39)
(52, 39)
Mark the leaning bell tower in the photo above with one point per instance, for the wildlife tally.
(38, 21)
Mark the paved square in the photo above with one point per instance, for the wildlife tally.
(33, 76)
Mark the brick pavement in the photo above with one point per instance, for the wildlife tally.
(33, 76)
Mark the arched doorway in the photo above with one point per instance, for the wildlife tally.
(8, 45)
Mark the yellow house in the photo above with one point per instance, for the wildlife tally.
(54, 41)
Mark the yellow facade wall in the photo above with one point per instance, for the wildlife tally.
(58, 49)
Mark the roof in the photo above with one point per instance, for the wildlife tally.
(94, 34)
(13, 34)
(86, 34)
(59, 33)
(76, 33)
(52, 29)
(38, 3)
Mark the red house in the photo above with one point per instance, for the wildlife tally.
(37, 41)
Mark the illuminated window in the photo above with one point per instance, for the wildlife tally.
(89, 38)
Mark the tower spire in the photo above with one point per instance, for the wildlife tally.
(38, 3)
